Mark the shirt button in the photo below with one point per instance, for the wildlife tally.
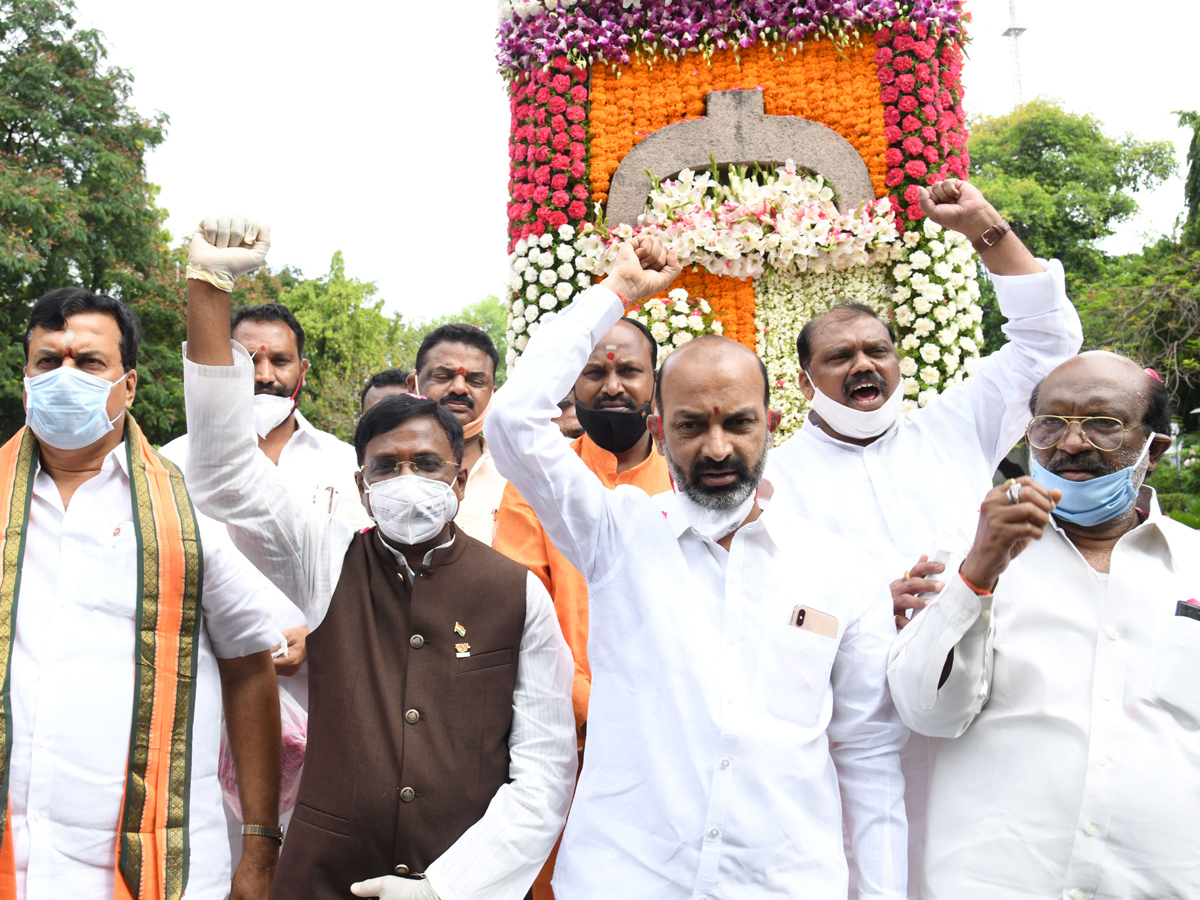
(412, 717)
(1090, 831)
(1077, 894)
(724, 764)
(407, 794)
(1112, 633)
(966, 614)
(714, 833)
(1103, 760)
(1108, 695)
(35, 816)
(416, 642)
(401, 869)
(985, 613)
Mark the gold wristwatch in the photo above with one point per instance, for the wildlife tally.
(274, 832)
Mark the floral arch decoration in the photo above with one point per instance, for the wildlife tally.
(765, 247)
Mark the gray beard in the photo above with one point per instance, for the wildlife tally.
(730, 499)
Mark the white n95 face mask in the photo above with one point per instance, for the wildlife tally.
(269, 412)
(857, 423)
(67, 408)
(410, 509)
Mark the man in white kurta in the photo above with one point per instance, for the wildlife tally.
(712, 770)
(1069, 717)
(915, 487)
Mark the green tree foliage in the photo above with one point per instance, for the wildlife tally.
(1191, 188)
(75, 206)
(347, 337)
(1063, 184)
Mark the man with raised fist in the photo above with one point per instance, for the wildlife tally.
(441, 751)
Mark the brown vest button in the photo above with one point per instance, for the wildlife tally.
(401, 869)
(406, 794)
(412, 716)
(416, 641)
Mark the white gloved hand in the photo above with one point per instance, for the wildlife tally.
(389, 887)
(225, 247)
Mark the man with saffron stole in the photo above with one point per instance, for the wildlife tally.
(120, 630)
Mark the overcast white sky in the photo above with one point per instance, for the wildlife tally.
(380, 128)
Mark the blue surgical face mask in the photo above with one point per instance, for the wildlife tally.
(1098, 499)
(68, 409)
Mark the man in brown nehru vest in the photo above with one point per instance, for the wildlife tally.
(441, 752)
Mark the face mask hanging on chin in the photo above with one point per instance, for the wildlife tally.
(856, 423)
(715, 524)
(1096, 500)
(67, 408)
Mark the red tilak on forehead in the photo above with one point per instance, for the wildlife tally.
(462, 371)
(69, 353)
(612, 356)
(716, 410)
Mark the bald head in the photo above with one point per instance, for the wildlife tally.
(1101, 383)
(716, 362)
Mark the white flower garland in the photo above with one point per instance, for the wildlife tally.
(937, 312)
(784, 302)
(676, 320)
(784, 220)
(544, 278)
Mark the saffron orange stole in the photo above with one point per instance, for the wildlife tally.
(152, 842)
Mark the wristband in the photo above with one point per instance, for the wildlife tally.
(272, 831)
(978, 591)
(220, 282)
(991, 237)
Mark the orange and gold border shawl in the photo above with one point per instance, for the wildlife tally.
(152, 845)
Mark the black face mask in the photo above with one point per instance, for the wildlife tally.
(614, 430)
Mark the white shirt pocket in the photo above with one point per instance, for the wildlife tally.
(116, 590)
(795, 672)
(1174, 669)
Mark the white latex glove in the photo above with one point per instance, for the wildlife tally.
(389, 887)
(225, 247)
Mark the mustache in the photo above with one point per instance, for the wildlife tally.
(1088, 461)
(457, 398)
(275, 390)
(864, 379)
(624, 399)
(734, 463)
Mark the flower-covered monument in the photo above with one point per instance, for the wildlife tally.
(775, 145)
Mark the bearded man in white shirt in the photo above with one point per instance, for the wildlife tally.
(1059, 665)
(738, 707)
(456, 366)
(125, 623)
(900, 486)
(441, 748)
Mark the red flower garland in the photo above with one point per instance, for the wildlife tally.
(548, 172)
(920, 84)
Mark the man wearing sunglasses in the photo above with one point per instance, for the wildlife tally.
(441, 751)
(1059, 665)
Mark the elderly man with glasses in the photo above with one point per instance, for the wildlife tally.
(441, 740)
(1059, 665)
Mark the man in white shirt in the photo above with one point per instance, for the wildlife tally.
(456, 366)
(1058, 666)
(738, 705)
(901, 486)
(116, 599)
(441, 750)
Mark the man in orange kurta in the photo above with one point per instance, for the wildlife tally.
(612, 398)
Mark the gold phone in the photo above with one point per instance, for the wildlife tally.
(807, 619)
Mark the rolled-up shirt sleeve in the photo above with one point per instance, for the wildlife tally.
(957, 620)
